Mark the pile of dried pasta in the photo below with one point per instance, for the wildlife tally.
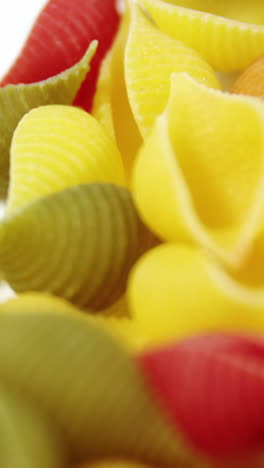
(132, 169)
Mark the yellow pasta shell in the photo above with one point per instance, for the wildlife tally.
(177, 291)
(55, 147)
(111, 105)
(228, 45)
(150, 58)
(194, 179)
(79, 244)
(242, 10)
(17, 100)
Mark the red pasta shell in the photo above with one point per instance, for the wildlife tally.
(212, 389)
(59, 38)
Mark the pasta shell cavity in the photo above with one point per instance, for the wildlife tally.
(78, 244)
(193, 179)
(228, 45)
(55, 147)
(17, 100)
(150, 58)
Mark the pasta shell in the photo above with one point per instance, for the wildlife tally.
(228, 390)
(28, 439)
(150, 58)
(111, 100)
(176, 291)
(17, 100)
(245, 11)
(86, 393)
(55, 147)
(227, 45)
(59, 39)
(78, 244)
(194, 179)
(251, 81)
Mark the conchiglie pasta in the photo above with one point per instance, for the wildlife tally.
(86, 384)
(242, 10)
(111, 104)
(150, 58)
(78, 244)
(227, 389)
(17, 100)
(194, 180)
(228, 45)
(176, 291)
(55, 147)
(59, 38)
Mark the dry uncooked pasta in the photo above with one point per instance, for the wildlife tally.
(79, 243)
(17, 100)
(58, 40)
(133, 237)
(55, 147)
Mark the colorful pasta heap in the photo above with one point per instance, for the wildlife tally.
(132, 172)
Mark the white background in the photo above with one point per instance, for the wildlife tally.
(16, 18)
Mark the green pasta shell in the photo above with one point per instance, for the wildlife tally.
(27, 437)
(79, 244)
(17, 100)
(86, 384)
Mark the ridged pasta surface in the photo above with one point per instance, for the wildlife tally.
(228, 45)
(55, 147)
(79, 244)
(150, 59)
(59, 38)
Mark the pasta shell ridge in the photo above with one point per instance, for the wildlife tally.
(79, 244)
(226, 44)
